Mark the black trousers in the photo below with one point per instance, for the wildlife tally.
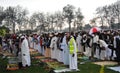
(95, 45)
(118, 54)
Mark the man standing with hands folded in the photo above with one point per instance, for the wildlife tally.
(72, 52)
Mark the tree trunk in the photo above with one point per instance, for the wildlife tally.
(31, 27)
(52, 27)
(20, 27)
(69, 26)
(102, 22)
(60, 28)
(108, 21)
(13, 27)
(118, 21)
(74, 26)
(80, 26)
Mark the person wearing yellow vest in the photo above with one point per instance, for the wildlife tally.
(72, 53)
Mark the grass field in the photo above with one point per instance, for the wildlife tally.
(36, 68)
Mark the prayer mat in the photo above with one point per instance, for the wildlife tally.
(65, 70)
(8, 54)
(39, 57)
(12, 67)
(106, 63)
(117, 68)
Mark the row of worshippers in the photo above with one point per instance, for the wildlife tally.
(9, 44)
(104, 45)
(18, 46)
(61, 47)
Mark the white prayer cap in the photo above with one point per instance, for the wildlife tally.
(20, 34)
(56, 33)
(22, 37)
(108, 32)
(84, 35)
(65, 33)
(50, 35)
(60, 32)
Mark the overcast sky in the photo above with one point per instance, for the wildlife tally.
(88, 7)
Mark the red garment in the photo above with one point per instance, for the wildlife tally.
(41, 42)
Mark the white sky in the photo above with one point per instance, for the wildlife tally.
(88, 7)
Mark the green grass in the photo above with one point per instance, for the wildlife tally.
(84, 68)
(92, 68)
(32, 69)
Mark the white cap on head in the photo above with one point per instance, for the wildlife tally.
(84, 35)
(20, 34)
(50, 35)
(22, 37)
(56, 33)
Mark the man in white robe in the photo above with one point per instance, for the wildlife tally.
(105, 54)
(88, 45)
(95, 50)
(65, 52)
(72, 54)
(60, 51)
(25, 52)
(78, 41)
(38, 45)
(53, 47)
(30, 40)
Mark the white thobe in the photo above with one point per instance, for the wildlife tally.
(38, 45)
(96, 55)
(57, 52)
(65, 51)
(88, 50)
(60, 56)
(30, 39)
(25, 53)
(53, 47)
(73, 59)
(107, 51)
(79, 46)
(95, 39)
(35, 46)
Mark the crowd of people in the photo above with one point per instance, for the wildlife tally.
(63, 47)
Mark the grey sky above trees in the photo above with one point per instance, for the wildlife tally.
(14, 15)
(87, 7)
(51, 21)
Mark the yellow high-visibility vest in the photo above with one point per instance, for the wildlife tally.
(71, 45)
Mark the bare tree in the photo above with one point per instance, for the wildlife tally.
(59, 19)
(2, 14)
(21, 18)
(110, 13)
(48, 21)
(15, 15)
(116, 8)
(69, 13)
(32, 22)
(79, 17)
(39, 20)
(11, 17)
(52, 21)
(105, 14)
(100, 16)
(93, 22)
